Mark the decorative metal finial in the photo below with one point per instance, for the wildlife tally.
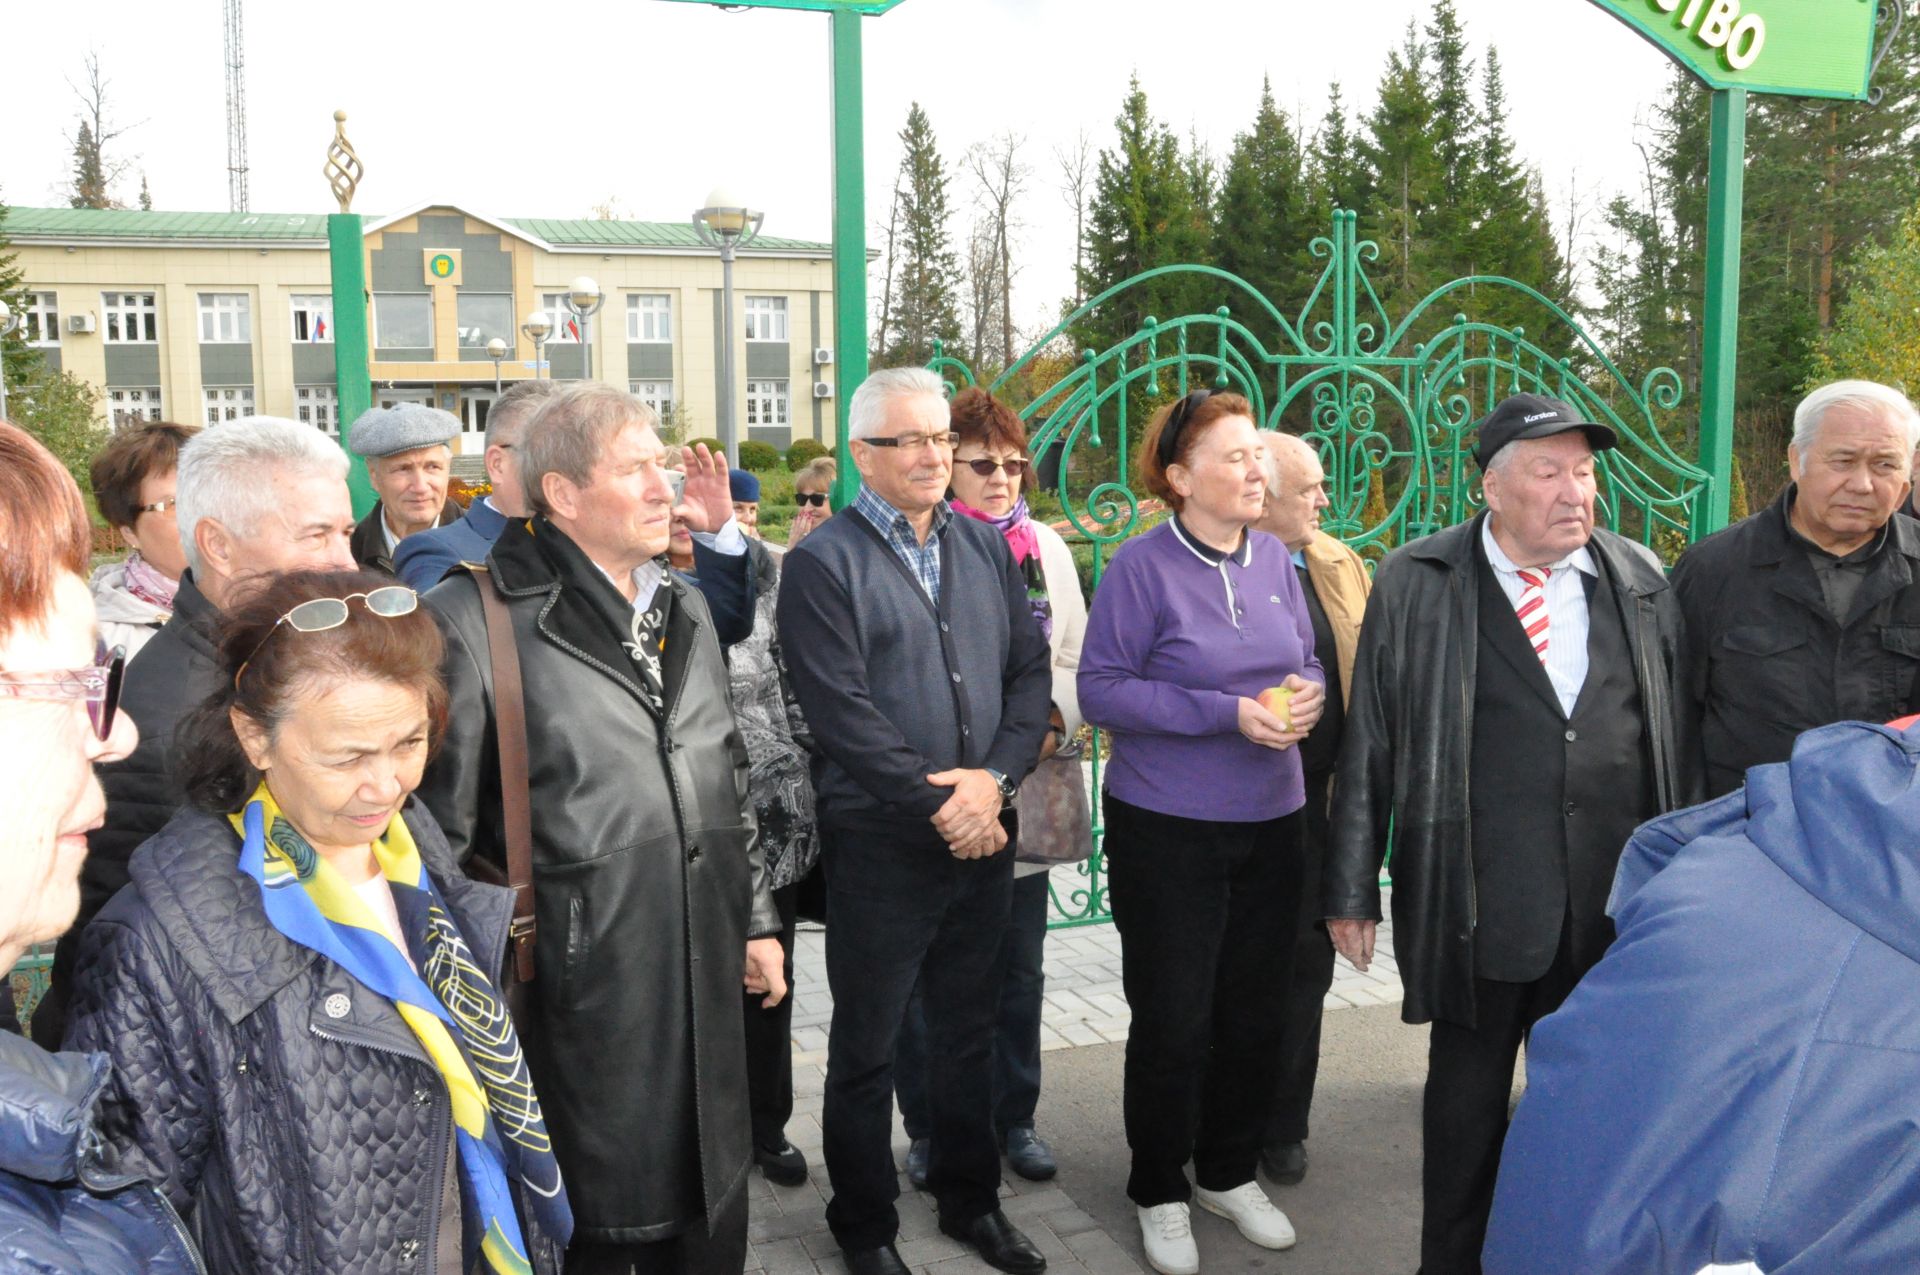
(343, 169)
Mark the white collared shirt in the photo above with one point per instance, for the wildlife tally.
(1566, 599)
(386, 531)
(729, 540)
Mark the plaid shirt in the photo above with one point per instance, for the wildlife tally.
(922, 560)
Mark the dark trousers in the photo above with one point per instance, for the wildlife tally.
(1016, 1035)
(1206, 913)
(901, 911)
(1464, 1116)
(770, 1043)
(1312, 976)
(692, 1252)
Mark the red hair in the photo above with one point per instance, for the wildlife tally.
(43, 528)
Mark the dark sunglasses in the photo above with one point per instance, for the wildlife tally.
(818, 498)
(98, 685)
(984, 467)
(320, 614)
(1169, 446)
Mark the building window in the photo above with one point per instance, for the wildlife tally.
(655, 394)
(131, 318)
(650, 318)
(566, 328)
(482, 316)
(767, 404)
(403, 320)
(131, 406)
(313, 318)
(226, 402)
(318, 406)
(766, 318)
(41, 321)
(226, 318)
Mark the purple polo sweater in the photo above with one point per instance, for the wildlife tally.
(1176, 636)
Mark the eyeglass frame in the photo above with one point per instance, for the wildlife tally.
(1016, 467)
(806, 498)
(97, 683)
(158, 507)
(950, 440)
(346, 613)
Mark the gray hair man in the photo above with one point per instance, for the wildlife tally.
(1808, 612)
(409, 458)
(424, 557)
(256, 497)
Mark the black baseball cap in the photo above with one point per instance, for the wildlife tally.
(1536, 416)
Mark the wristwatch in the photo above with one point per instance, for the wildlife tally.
(1009, 791)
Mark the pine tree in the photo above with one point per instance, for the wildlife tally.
(1262, 223)
(1447, 223)
(89, 172)
(1876, 332)
(1513, 231)
(21, 359)
(1337, 170)
(1399, 149)
(925, 303)
(146, 196)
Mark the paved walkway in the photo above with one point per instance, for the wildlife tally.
(1085, 1007)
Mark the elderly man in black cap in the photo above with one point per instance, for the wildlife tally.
(1514, 715)
(409, 457)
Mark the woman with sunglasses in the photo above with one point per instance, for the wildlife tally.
(134, 478)
(63, 1207)
(310, 1055)
(990, 471)
(812, 485)
(1194, 623)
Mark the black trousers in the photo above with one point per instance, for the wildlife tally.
(1464, 1114)
(1016, 1033)
(692, 1252)
(901, 911)
(1312, 976)
(1206, 913)
(770, 1042)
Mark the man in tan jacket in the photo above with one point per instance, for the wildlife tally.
(1336, 584)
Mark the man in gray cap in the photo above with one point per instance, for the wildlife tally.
(409, 458)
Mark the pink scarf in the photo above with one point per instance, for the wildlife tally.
(149, 585)
(1015, 525)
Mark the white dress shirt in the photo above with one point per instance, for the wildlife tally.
(1566, 599)
(729, 540)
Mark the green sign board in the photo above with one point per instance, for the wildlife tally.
(1805, 48)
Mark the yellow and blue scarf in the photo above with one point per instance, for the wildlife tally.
(459, 1018)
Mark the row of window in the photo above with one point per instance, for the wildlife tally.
(400, 320)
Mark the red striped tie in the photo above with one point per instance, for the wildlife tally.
(1532, 608)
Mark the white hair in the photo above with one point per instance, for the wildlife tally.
(1278, 442)
(868, 411)
(225, 473)
(1871, 397)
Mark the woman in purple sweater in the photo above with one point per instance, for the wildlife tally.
(1192, 621)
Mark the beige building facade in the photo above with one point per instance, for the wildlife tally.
(199, 317)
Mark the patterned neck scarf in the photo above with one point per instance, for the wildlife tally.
(149, 585)
(452, 1007)
(1017, 526)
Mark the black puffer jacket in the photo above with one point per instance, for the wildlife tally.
(286, 1111)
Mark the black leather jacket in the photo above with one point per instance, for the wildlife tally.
(1409, 737)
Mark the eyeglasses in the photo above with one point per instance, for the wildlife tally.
(98, 685)
(159, 507)
(984, 467)
(810, 497)
(1169, 446)
(320, 614)
(915, 441)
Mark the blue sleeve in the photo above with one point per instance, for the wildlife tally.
(726, 581)
(420, 561)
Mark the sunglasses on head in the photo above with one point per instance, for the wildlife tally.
(817, 498)
(98, 685)
(984, 467)
(320, 614)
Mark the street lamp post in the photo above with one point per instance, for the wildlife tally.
(726, 224)
(584, 300)
(537, 325)
(496, 350)
(8, 322)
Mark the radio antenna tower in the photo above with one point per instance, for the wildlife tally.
(236, 110)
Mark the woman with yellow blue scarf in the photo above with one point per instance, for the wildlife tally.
(310, 1055)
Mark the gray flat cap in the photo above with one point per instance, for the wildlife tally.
(382, 431)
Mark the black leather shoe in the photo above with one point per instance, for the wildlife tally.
(999, 1244)
(1284, 1163)
(1029, 1155)
(918, 1153)
(783, 1164)
(884, 1260)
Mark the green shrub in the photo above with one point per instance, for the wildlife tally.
(758, 456)
(713, 444)
(804, 450)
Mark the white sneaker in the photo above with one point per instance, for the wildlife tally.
(1168, 1232)
(1248, 1208)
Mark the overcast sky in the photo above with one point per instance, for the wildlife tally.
(546, 110)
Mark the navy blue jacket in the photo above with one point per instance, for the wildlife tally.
(61, 1209)
(1739, 1079)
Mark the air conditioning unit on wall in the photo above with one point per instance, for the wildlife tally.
(823, 389)
(822, 356)
(80, 323)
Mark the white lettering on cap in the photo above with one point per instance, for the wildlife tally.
(1540, 416)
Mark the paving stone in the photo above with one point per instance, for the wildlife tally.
(1101, 1254)
(772, 1226)
(1070, 1221)
(785, 1257)
(930, 1248)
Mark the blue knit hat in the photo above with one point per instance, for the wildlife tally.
(746, 486)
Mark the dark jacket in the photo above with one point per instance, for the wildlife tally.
(1735, 1082)
(1765, 657)
(171, 676)
(369, 542)
(292, 1137)
(425, 557)
(62, 1211)
(648, 880)
(1405, 757)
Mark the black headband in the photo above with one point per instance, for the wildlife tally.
(1169, 444)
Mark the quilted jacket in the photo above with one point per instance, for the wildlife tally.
(60, 1209)
(287, 1112)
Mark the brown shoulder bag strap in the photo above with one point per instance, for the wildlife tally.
(516, 803)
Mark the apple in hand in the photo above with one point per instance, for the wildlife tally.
(1276, 700)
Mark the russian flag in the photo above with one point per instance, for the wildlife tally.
(319, 327)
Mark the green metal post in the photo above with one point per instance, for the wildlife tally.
(353, 383)
(849, 239)
(1726, 180)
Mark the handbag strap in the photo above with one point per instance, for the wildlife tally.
(516, 799)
